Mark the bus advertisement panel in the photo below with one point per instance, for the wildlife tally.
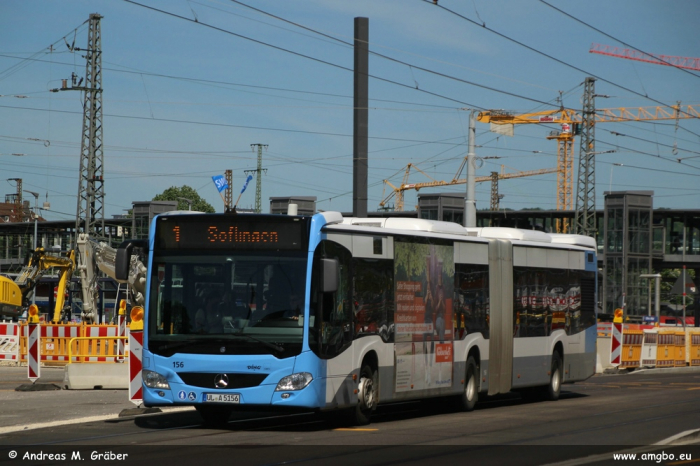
(424, 289)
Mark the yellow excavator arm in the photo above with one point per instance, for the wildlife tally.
(65, 266)
(39, 263)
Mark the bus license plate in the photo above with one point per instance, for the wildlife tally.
(222, 398)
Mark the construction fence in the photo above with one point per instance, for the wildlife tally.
(64, 343)
(657, 346)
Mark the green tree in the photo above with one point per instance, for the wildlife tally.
(185, 192)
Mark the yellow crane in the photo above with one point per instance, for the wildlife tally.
(397, 192)
(569, 120)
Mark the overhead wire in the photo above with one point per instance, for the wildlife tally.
(299, 54)
(579, 20)
(539, 52)
(395, 60)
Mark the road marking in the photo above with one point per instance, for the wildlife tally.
(353, 429)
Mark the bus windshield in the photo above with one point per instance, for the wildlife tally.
(210, 302)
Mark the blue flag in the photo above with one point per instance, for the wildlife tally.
(250, 177)
(220, 182)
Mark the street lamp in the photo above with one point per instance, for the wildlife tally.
(36, 200)
(36, 213)
(657, 294)
(611, 172)
(189, 202)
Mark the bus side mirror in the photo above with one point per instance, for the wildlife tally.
(329, 275)
(122, 261)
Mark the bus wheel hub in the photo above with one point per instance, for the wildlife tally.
(366, 394)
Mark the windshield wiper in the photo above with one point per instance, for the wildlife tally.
(273, 346)
(197, 342)
(178, 344)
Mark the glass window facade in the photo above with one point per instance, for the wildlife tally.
(628, 251)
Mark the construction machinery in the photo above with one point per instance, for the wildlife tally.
(689, 63)
(97, 254)
(10, 298)
(571, 121)
(397, 192)
(15, 295)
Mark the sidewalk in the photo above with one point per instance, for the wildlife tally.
(23, 410)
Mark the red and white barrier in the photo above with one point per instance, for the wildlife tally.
(616, 344)
(97, 332)
(135, 366)
(9, 342)
(56, 332)
(33, 332)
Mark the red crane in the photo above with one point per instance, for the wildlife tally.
(632, 54)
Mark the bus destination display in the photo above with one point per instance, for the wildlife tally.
(222, 233)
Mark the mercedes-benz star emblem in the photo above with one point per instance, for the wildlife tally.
(221, 381)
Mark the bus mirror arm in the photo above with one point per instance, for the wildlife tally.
(329, 275)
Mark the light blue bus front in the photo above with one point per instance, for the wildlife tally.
(233, 380)
(228, 312)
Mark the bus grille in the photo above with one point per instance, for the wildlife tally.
(206, 379)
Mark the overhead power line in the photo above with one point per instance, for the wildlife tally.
(395, 60)
(229, 125)
(660, 58)
(298, 54)
(539, 52)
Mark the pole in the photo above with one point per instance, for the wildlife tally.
(657, 298)
(36, 214)
(657, 293)
(684, 296)
(585, 220)
(470, 201)
(360, 118)
(258, 182)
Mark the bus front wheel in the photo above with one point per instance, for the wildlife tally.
(367, 396)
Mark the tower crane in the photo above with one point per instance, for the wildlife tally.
(688, 63)
(397, 192)
(570, 121)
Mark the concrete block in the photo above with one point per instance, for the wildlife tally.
(603, 355)
(86, 376)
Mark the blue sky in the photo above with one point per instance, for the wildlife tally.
(184, 100)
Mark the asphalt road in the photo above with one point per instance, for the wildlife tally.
(606, 414)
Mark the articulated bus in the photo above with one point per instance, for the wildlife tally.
(339, 315)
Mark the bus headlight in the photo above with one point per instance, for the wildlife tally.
(154, 380)
(294, 382)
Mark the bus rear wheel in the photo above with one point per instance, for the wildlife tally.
(467, 400)
(554, 387)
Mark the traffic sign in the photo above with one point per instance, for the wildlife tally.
(690, 287)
